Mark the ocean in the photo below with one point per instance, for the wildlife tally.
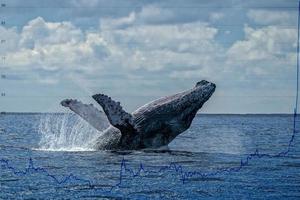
(49, 156)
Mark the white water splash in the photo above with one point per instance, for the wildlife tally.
(66, 132)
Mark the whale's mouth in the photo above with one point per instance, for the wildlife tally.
(200, 83)
(205, 83)
(202, 92)
(194, 99)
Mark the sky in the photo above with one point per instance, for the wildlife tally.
(137, 51)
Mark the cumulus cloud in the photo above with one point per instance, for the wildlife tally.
(149, 14)
(88, 3)
(61, 46)
(216, 16)
(38, 33)
(268, 17)
(164, 47)
(267, 52)
(54, 46)
(12, 39)
(155, 14)
(160, 46)
(123, 22)
(270, 42)
(141, 42)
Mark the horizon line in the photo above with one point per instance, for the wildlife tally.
(275, 113)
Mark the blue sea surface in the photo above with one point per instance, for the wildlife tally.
(46, 165)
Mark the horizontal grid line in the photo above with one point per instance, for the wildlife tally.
(141, 6)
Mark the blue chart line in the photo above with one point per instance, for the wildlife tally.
(124, 169)
(141, 171)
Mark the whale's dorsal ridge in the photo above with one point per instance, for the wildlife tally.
(117, 117)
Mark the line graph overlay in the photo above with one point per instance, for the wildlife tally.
(179, 170)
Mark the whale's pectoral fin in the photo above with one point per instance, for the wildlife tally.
(88, 112)
(115, 113)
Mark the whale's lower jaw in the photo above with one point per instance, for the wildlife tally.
(154, 125)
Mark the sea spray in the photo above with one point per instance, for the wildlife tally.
(66, 132)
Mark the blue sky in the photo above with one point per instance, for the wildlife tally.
(137, 51)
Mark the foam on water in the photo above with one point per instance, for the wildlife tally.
(66, 132)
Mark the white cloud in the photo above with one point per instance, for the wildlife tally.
(154, 47)
(155, 14)
(264, 52)
(38, 33)
(87, 3)
(124, 45)
(270, 42)
(164, 49)
(62, 46)
(11, 39)
(216, 16)
(267, 17)
(112, 23)
(54, 46)
(150, 14)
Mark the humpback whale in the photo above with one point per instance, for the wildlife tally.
(153, 125)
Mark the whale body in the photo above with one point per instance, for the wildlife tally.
(153, 125)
